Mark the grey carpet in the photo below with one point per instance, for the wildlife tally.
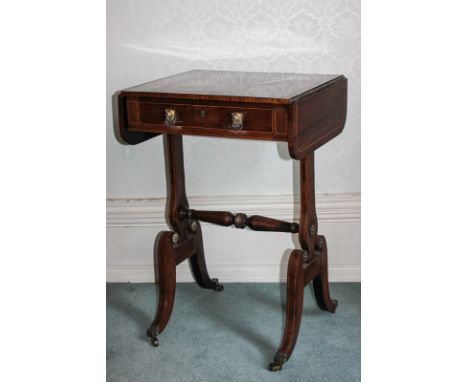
(230, 335)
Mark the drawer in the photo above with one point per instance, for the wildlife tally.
(200, 116)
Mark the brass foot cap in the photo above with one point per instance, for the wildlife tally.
(274, 366)
(217, 287)
(278, 362)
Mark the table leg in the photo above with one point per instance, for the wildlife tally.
(165, 266)
(305, 265)
(198, 265)
(185, 242)
(320, 283)
(295, 299)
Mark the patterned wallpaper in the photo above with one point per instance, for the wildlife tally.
(150, 39)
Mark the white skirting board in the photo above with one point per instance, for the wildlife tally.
(234, 255)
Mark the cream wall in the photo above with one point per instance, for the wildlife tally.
(150, 39)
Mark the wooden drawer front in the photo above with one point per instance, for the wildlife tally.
(202, 116)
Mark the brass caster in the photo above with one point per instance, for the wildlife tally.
(278, 362)
(274, 367)
(217, 287)
(152, 334)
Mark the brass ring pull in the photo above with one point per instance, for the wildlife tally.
(237, 120)
(170, 116)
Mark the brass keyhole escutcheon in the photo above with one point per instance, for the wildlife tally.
(203, 114)
(170, 116)
(237, 120)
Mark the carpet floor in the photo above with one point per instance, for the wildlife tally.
(230, 335)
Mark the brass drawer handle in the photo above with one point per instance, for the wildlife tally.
(170, 116)
(237, 120)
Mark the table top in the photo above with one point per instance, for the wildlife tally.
(279, 88)
(306, 110)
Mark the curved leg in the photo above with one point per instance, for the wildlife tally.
(321, 287)
(198, 264)
(164, 256)
(315, 244)
(308, 264)
(295, 299)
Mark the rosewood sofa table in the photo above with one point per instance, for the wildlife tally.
(304, 110)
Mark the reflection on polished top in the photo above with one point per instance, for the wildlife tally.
(236, 86)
